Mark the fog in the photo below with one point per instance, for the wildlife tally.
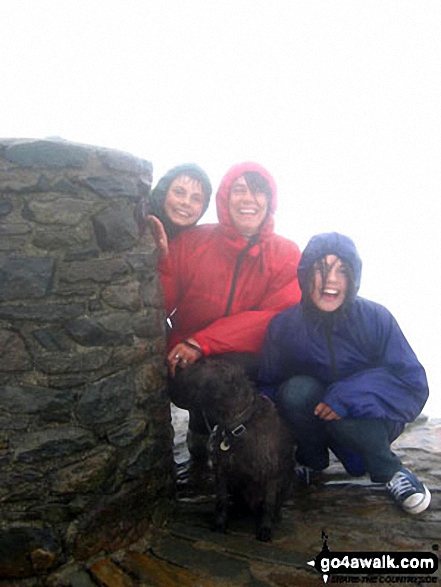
(340, 100)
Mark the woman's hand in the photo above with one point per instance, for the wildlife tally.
(159, 235)
(324, 412)
(183, 354)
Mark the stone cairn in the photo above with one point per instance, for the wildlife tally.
(86, 460)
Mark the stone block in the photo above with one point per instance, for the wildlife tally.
(52, 339)
(62, 211)
(93, 474)
(144, 262)
(44, 312)
(41, 403)
(52, 443)
(14, 355)
(27, 550)
(130, 431)
(6, 207)
(116, 229)
(109, 574)
(93, 270)
(51, 238)
(126, 296)
(22, 278)
(116, 521)
(90, 332)
(116, 329)
(46, 154)
(112, 187)
(106, 402)
(53, 363)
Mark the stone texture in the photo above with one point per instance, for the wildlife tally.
(41, 312)
(62, 237)
(116, 229)
(116, 522)
(355, 515)
(46, 154)
(112, 187)
(85, 443)
(25, 278)
(61, 211)
(39, 403)
(94, 271)
(5, 207)
(106, 402)
(91, 474)
(26, 550)
(126, 296)
(13, 353)
(51, 443)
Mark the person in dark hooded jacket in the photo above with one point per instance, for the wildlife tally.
(178, 201)
(342, 373)
(224, 282)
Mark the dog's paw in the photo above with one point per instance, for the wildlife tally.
(264, 534)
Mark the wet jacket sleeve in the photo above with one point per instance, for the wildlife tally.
(395, 389)
(244, 331)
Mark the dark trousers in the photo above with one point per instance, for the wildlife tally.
(197, 421)
(363, 445)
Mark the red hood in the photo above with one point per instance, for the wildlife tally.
(223, 192)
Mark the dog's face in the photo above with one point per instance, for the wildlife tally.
(219, 388)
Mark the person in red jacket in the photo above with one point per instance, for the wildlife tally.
(224, 282)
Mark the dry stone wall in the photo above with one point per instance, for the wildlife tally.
(85, 435)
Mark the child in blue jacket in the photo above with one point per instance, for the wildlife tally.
(342, 373)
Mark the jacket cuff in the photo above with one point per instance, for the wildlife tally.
(338, 408)
(204, 346)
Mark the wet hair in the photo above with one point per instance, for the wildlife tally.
(159, 193)
(257, 183)
(324, 271)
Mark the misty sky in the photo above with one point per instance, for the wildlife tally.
(340, 100)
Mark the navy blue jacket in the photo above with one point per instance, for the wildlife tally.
(359, 352)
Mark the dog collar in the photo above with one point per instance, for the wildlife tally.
(239, 427)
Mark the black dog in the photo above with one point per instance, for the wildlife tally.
(251, 446)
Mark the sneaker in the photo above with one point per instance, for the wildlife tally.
(197, 445)
(306, 476)
(412, 495)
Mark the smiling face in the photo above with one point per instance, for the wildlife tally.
(247, 209)
(184, 201)
(330, 283)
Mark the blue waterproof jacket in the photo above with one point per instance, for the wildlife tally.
(359, 352)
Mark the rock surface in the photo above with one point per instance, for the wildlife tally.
(86, 460)
(355, 514)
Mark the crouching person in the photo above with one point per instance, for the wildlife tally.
(343, 374)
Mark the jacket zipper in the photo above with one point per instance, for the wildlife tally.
(253, 240)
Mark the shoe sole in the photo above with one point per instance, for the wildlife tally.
(421, 505)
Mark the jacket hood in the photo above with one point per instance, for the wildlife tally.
(159, 193)
(330, 243)
(223, 193)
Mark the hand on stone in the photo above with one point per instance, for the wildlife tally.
(159, 235)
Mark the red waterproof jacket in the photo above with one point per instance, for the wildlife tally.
(223, 291)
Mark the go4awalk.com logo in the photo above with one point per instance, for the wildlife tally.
(417, 568)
